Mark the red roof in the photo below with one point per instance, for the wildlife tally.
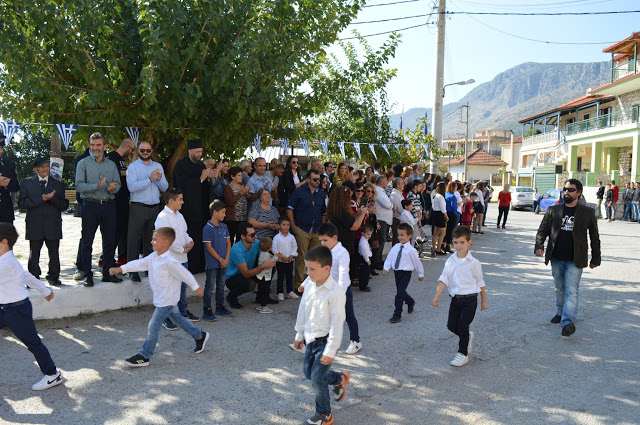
(579, 101)
(516, 141)
(479, 157)
(621, 45)
(616, 82)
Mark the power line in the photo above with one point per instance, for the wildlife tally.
(391, 19)
(546, 5)
(614, 12)
(387, 32)
(389, 4)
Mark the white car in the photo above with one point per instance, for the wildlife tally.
(521, 197)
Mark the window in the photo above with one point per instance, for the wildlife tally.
(579, 164)
(635, 110)
(586, 116)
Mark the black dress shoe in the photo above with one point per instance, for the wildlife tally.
(367, 289)
(556, 319)
(272, 301)
(135, 277)
(395, 319)
(88, 281)
(410, 307)
(54, 282)
(374, 272)
(114, 279)
(568, 330)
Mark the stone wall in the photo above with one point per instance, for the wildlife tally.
(624, 164)
(625, 102)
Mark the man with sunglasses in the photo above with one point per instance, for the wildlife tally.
(145, 180)
(242, 259)
(118, 156)
(566, 225)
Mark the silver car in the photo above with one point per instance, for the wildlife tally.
(521, 197)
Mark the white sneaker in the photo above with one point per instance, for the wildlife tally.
(48, 381)
(280, 297)
(353, 347)
(299, 350)
(78, 275)
(292, 295)
(459, 360)
(264, 310)
(470, 344)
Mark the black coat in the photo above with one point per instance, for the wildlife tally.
(44, 219)
(186, 176)
(7, 169)
(286, 186)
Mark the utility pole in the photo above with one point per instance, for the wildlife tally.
(439, 79)
(466, 141)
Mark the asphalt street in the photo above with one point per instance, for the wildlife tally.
(522, 371)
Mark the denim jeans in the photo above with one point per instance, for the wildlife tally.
(182, 304)
(153, 330)
(636, 211)
(567, 280)
(402, 282)
(215, 279)
(627, 211)
(19, 318)
(321, 376)
(352, 322)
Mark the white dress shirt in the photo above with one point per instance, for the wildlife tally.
(285, 245)
(168, 218)
(439, 204)
(166, 275)
(364, 249)
(409, 261)
(13, 277)
(407, 217)
(480, 196)
(396, 198)
(322, 312)
(384, 206)
(459, 201)
(340, 260)
(462, 276)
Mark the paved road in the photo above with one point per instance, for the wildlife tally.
(522, 370)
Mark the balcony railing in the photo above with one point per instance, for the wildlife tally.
(597, 123)
(625, 69)
(539, 139)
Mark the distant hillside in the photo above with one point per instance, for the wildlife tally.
(517, 93)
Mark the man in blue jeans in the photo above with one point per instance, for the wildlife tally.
(566, 224)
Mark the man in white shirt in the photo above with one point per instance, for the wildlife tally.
(396, 198)
(384, 214)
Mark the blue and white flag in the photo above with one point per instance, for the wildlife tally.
(134, 134)
(341, 146)
(325, 147)
(305, 146)
(373, 150)
(256, 143)
(386, 148)
(357, 148)
(283, 144)
(426, 121)
(9, 129)
(66, 132)
(426, 148)
(397, 147)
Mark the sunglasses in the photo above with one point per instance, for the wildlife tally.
(317, 179)
(359, 190)
(251, 235)
(294, 162)
(145, 150)
(569, 189)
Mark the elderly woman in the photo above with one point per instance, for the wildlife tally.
(264, 216)
(235, 197)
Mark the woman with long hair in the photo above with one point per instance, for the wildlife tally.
(290, 180)
(218, 183)
(235, 197)
(504, 203)
(452, 215)
(439, 219)
(342, 174)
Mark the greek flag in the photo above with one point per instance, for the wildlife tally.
(426, 148)
(341, 146)
(9, 129)
(357, 147)
(66, 132)
(372, 147)
(305, 146)
(283, 144)
(134, 134)
(325, 147)
(386, 148)
(256, 143)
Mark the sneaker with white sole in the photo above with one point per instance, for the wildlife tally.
(470, 344)
(280, 297)
(78, 275)
(264, 310)
(200, 343)
(459, 360)
(319, 419)
(299, 350)
(292, 295)
(48, 381)
(353, 347)
(137, 361)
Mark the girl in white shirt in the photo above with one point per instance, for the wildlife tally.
(439, 219)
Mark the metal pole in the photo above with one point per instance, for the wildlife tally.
(439, 80)
(466, 143)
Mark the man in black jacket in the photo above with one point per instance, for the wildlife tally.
(599, 197)
(566, 224)
(8, 184)
(43, 198)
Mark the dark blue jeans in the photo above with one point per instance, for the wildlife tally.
(182, 304)
(352, 322)
(215, 279)
(461, 314)
(19, 319)
(96, 215)
(321, 376)
(402, 282)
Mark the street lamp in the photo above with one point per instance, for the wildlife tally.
(459, 83)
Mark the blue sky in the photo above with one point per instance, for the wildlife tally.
(473, 50)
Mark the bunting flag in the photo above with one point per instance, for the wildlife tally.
(341, 146)
(325, 147)
(357, 147)
(397, 147)
(9, 129)
(408, 147)
(386, 149)
(134, 134)
(426, 121)
(66, 132)
(426, 148)
(372, 147)
(256, 143)
(283, 144)
(305, 146)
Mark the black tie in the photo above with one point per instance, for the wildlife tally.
(43, 184)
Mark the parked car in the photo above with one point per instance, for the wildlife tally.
(552, 197)
(521, 197)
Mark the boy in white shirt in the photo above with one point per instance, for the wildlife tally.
(408, 217)
(165, 277)
(16, 309)
(364, 249)
(462, 276)
(285, 248)
(264, 277)
(320, 320)
(403, 258)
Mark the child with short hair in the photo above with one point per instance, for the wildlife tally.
(403, 258)
(264, 277)
(407, 217)
(364, 250)
(467, 209)
(166, 275)
(478, 208)
(462, 276)
(217, 248)
(285, 248)
(16, 310)
(319, 323)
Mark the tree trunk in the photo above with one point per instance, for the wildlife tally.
(178, 154)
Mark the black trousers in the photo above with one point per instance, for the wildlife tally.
(238, 285)
(451, 224)
(377, 262)
(53, 246)
(501, 211)
(364, 272)
(264, 287)
(394, 231)
(461, 314)
(233, 230)
(142, 223)
(285, 272)
(122, 225)
(196, 255)
(96, 215)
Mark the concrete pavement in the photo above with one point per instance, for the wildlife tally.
(521, 371)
